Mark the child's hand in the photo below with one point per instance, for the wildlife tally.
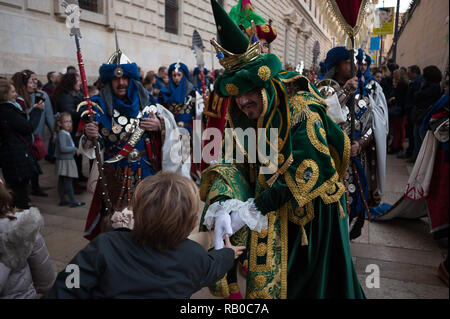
(238, 250)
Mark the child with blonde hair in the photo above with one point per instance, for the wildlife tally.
(66, 167)
(155, 259)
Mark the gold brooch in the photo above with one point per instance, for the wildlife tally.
(232, 89)
(264, 73)
(265, 29)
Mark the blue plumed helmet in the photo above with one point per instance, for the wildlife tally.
(118, 65)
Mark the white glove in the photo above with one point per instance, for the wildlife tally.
(221, 228)
(236, 222)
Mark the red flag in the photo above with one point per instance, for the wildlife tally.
(350, 10)
(350, 14)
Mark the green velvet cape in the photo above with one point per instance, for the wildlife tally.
(305, 252)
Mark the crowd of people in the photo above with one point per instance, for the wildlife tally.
(410, 93)
(281, 229)
(60, 95)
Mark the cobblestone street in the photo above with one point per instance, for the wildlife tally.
(404, 250)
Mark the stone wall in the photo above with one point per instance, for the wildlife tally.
(34, 34)
(424, 41)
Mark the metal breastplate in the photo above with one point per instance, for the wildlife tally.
(121, 128)
(361, 114)
(180, 108)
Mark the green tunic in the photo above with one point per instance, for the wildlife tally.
(305, 252)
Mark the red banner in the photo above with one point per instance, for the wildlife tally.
(350, 10)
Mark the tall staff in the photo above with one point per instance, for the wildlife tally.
(350, 15)
(72, 10)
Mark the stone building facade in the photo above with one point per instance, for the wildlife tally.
(151, 32)
(424, 37)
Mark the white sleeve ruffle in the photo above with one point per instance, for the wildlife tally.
(252, 216)
(247, 211)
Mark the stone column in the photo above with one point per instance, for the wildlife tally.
(290, 19)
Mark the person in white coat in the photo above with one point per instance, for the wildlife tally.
(25, 266)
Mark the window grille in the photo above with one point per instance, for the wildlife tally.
(90, 5)
(172, 16)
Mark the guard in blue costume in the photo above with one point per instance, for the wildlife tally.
(197, 81)
(365, 178)
(179, 97)
(136, 135)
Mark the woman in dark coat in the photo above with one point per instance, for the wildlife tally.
(429, 93)
(25, 83)
(66, 98)
(16, 130)
(396, 106)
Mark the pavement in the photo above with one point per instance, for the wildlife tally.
(406, 254)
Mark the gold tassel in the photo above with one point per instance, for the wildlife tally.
(304, 237)
(224, 286)
(341, 211)
(301, 116)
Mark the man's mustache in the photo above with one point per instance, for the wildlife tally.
(249, 104)
(119, 87)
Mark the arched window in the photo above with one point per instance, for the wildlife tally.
(172, 16)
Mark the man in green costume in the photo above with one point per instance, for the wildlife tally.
(288, 211)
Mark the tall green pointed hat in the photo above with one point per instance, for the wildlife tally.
(230, 37)
(245, 66)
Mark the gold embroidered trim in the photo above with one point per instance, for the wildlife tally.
(346, 154)
(336, 158)
(234, 288)
(310, 129)
(224, 286)
(303, 197)
(265, 28)
(260, 281)
(232, 89)
(341, 211)
(253, 264)
(281, 171)
(259, 294)
(213, 108)
(288, 115)
(284, 249)
(265, 106)
(261, 249)
(304, 237)
(275, 235)
(302, 215)
(307, 186)
(318, 97)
